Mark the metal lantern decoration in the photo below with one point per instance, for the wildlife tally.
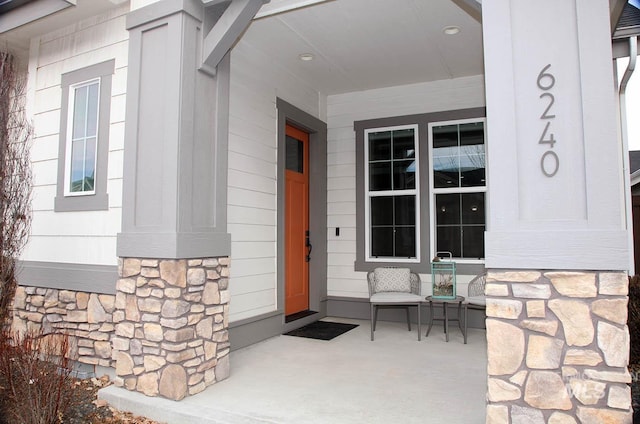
(443, 277)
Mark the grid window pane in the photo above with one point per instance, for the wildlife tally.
(80, 112)
(77, 166)
(403, 144)
(448, 240)
(382, 210)
(404, 175)
(448, 209)
(382, 241)
(405, 210)
(92, 110)
(473, 211)
(380, 146)
(380, 176)
(405, 242)
(473, 242)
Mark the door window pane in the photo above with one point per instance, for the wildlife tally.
(294, 155)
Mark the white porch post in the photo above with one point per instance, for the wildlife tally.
(556, 247)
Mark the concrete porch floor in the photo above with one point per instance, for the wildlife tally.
(394, 379)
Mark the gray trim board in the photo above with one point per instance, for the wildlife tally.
(247, 332)
(99, 279)
(252, 330)
(174, 245)
(422, 120)
(289, 114)
(99, 200)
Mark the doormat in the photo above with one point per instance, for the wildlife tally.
(322, 330)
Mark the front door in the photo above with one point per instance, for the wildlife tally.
(297, 241)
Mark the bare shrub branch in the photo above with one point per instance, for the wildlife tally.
(15, 178)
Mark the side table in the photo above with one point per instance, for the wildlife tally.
(445, 317)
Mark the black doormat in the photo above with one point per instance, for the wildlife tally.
(322, 330)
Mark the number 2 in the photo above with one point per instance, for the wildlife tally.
(551, 102)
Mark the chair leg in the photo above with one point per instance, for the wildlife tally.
(466, 315)
(372, 322)
(430, 318)
(419, 331)
(375, 317)
(408, 320)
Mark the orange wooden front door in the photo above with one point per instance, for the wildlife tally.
(296, 221)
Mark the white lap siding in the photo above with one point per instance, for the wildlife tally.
(256, 81)
(75, 237)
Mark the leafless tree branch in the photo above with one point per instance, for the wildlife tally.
(15, 177)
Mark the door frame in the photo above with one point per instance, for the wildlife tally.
(289, 114)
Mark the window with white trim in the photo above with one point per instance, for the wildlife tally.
(82, 138)
(392, 202)
(458, 187)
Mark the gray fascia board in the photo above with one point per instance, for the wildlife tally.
(31, 12)
(620, 48)
(227, 30)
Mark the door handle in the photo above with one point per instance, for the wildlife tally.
(307, 243)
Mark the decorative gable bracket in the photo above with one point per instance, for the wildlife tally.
(224, 22)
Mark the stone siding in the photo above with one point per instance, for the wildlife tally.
(558, 347)
(171, 325)
(86, 317)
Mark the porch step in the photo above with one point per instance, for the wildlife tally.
(171, 412)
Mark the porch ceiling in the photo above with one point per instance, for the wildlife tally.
(364, 44)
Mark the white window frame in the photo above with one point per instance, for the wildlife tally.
(69, 141)
(415, 192)
(454, 190)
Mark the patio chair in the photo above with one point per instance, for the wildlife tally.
(391, 287)
(475, 298)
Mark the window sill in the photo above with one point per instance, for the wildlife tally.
(96, 202)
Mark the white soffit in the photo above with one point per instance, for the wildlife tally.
(365, 44)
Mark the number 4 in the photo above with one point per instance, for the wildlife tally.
(543, 138)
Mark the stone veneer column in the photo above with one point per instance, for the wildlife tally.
(171, 325)
(557, 339)
(558, 347)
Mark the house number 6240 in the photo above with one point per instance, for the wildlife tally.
(549, 162)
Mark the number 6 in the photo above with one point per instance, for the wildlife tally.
(544, 74)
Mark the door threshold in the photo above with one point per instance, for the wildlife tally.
(298, 315)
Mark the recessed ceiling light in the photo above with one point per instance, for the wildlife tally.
(451, 30)
(306, 57)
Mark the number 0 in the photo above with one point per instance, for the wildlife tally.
(546, 75)
(556, 163)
